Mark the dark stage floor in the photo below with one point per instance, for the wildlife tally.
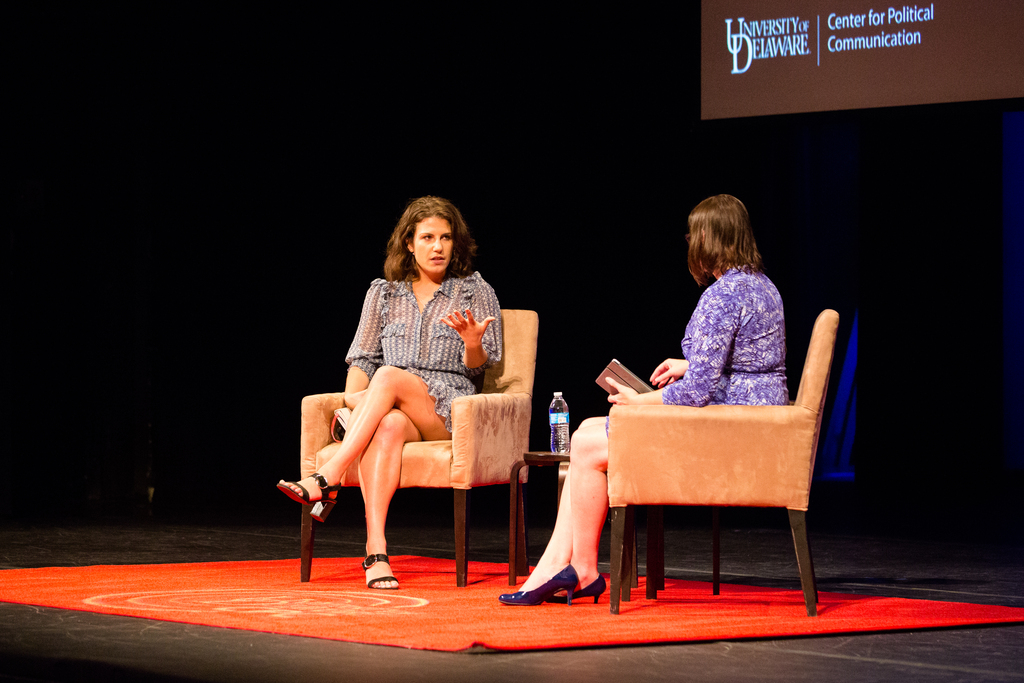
(925, 558)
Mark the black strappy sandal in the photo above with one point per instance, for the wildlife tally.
(373, 583)
(327, 504)
(323, 507)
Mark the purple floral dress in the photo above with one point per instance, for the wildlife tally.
(736, 344)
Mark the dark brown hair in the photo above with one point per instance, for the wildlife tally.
(400, 263)
(721, 238)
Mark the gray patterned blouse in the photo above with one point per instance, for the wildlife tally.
(392, 331)
(736, 344)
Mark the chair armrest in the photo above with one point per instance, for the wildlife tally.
(490, 432)
(716, 455)
(317, 414)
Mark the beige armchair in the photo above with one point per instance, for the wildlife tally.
(751, 456)
(490, 432)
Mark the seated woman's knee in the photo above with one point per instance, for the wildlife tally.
(388, 378)
(590, 448)
(392, 425)
(591, 423)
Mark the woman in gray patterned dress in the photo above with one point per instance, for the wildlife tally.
(425, 331)
(734, 353)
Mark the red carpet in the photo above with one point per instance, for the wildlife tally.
(431, 613)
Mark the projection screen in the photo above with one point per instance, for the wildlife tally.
(760, 58)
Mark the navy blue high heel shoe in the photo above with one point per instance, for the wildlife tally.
(595, 590)
(564, 580)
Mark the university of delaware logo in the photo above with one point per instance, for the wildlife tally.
(736, 42)
(765, 39)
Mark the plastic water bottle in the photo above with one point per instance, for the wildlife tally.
(558, 417)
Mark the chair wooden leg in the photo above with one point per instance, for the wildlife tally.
(798, 523)
(517, 559)
(619, 556)
(563, 471)
(307, 536)
(522, 538)
(655, 550)
(461, 535)
(629, 580)
(716, 555)
(635, 562)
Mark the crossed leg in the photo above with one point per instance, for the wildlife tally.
(395, 408)
(380, 471)
(581, 511)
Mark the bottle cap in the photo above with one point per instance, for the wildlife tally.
(558, 393)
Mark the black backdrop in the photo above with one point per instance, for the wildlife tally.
(200, 200)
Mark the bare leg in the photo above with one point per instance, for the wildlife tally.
(390, 388)
(380, 471)
(558, 553)
(581, 511)
(589, 497)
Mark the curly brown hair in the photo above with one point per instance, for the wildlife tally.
(400, 264)
(721, 238)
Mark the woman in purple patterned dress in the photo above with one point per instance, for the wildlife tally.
(735, 353)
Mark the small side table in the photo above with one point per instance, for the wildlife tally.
(518, 562)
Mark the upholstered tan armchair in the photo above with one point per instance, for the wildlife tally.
(490, 432)
(750, 456)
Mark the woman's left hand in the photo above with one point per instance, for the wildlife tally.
(624, 395)
(468, 328)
